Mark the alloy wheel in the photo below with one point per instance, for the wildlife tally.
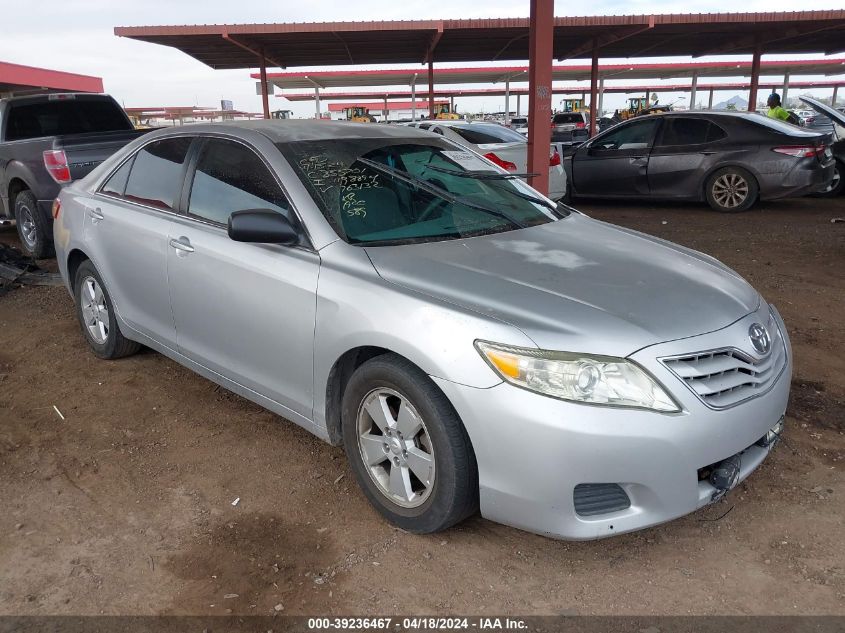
(95, 312)
(29, 232)
(730, 190)
(396, 448)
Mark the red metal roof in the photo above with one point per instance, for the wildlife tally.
(378, 105)
(571, 72)
(558, 90)
(417, 41)
(18, 79)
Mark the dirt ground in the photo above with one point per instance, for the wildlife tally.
(125, 506)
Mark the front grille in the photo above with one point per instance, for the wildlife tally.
(724, 378)
(593, 499)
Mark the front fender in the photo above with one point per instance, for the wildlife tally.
(357, 308)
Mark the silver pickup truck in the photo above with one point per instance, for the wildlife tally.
(47, 141)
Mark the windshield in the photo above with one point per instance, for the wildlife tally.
(401, 191)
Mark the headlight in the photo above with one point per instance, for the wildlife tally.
(583, 378)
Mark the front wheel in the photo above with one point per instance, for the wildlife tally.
(407, 447)
(96, 315)
(731, 190)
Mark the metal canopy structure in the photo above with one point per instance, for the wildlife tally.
(499, 74)
(420, 41)
(539, 38)
(21, 80)
(558, 90)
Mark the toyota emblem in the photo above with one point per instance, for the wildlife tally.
(760, 339)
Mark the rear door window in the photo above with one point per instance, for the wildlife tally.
(690, 131)
(158, 173)
(116, 184)
(231, 177)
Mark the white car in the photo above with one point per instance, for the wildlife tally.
(500, 144)
(520, 124)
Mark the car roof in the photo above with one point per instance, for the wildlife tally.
(57, 96)
(291, 130)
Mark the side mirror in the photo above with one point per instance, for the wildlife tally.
(262, 226)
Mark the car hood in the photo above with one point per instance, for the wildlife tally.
(576, 284)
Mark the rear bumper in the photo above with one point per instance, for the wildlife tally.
(806, 177)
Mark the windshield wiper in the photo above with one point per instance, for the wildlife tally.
(478, 174)
(438, 191)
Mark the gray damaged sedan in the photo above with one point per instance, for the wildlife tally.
(470, 343)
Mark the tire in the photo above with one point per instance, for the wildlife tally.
(96, 315)
(436, 472)
(837, 185)
(34, 229)
(731, 190)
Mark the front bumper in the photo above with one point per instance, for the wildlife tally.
(532, 451)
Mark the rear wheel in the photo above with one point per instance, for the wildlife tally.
(837, 185)
(33, 228)
(731, 190)
(407, 447)
(96, 315)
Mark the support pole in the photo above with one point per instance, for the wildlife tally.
(385, 111)
(710, 102)
(833, 99)
(507, 101)
(693, 91)
(594, 79)
(265, 99)
(540, 47)
(452, 104)
(414, 99)
(755, 79)
(430, 89)
(785, 88)
(518, 105)
(317, 100)
(601, 97)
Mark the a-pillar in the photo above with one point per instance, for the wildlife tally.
(540, 47)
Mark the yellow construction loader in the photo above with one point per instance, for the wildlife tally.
(359, 114)
(444, 112)
(571, 105)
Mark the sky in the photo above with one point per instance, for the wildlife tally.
(77, 36)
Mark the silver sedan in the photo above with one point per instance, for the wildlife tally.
(471, 344)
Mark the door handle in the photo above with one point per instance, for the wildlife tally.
(96, 215)
(183, 244)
